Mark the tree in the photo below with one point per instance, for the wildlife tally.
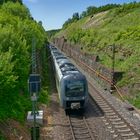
(84, 14)
(3, 1)
(75, 17)
(16, 10)
(91, 10)
(16, 32)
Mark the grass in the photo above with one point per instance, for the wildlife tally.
(45, 91)
(135, 100)
(19, 104)
(15, 108)
(2, 137)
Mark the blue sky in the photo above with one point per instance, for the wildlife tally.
(53, 13)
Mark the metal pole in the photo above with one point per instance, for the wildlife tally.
(112, 73)
(33, 56)
(34, 114)
(34, 94)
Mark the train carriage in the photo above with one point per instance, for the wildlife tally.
(70, 82)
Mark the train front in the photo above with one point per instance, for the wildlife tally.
(75, 91)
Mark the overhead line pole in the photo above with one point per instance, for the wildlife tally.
(112, 72)
(34, 94)
(34, 83)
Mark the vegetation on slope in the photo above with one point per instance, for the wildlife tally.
(119, 26)
(90, 11)
(52, 33)
(3, 1)
(16, 32)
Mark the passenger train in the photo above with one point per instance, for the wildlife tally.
(70, 82)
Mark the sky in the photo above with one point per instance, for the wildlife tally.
(53, 13)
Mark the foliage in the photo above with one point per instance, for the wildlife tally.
(135, 100)
(75, 36)
(17, 32)
(16, 10)
(127, 7)
(132, 33)
(124, 31)
(75, 17)
(52, 33)
(2, 137)
(3, 1)
(91, 10)
(45, 91)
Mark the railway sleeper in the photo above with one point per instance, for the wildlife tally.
(117, 123)
(78, 124)
(116, 119)
(124, 130)
(110, 114)
(79, 127)
(108, 111)
(134, 138)
(84, 131)
(113, 116)
(107, 108)
(77, 121)
(127, 134)
(102, 104)
(121, 126)
(85, 136)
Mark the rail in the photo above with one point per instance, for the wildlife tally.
(80, 128)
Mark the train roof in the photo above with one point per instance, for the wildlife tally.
(57, 53)
(74, 75)
(67, 68)
(65, 65)
(63, 61)
(60, 57)
(52, 47)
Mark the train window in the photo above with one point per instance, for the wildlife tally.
(60, 57)
(75, 88)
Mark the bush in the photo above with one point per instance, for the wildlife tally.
(16, 36)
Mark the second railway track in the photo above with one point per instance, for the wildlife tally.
(117, 125)
(120, 128)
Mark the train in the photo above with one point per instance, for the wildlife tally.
(71, 84)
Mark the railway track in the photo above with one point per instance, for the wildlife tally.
(117, 125)
(114, 121)
(79, 127)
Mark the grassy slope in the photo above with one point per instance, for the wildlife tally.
(118, 27)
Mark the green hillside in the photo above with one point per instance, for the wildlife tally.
(17, 29)
(120, 26)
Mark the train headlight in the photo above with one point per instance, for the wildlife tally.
(83, 97)
(67, 98)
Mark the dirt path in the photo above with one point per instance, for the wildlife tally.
(55, 122)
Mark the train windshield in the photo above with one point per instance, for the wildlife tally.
(75, 88)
